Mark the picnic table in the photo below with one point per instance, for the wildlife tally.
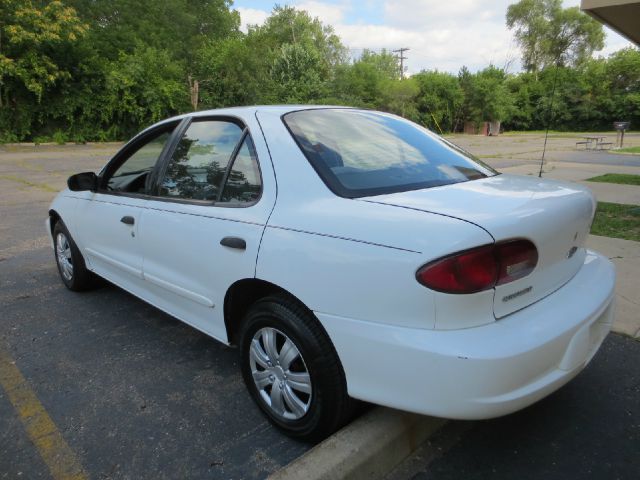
(594, 142)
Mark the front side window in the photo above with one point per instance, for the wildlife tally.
(360, 153)
(132, 175)
(198, 165)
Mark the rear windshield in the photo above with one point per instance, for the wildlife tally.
(360, 153)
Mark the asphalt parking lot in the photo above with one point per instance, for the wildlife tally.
(135, 393)
(114, 388)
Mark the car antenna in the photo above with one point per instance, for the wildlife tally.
(549, 114)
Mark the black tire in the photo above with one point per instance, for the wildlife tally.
(329, 406)
(80, 279)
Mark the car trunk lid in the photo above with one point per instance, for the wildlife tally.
(555, 216)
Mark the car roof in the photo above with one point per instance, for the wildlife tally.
(243, 112)
(250, 109)
(282, 109)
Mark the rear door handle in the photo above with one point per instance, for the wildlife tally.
(234, 242)
(128, 220)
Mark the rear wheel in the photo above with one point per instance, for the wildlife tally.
(292, 369)
(71, 266)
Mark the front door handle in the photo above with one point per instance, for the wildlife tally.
(128, 220)
(234, 242)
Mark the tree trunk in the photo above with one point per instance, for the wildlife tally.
(194, 91)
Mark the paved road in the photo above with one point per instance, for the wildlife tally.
(590, 429)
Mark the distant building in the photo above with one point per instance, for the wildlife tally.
(623, 16)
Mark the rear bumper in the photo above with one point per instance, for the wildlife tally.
(486, 371)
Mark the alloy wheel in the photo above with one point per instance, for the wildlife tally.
(63, 255)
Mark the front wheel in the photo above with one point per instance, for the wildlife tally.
(292, 370)
(71, 266)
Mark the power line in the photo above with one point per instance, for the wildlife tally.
(402, 58)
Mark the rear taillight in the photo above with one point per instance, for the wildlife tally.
(481, 268)
(517, 259)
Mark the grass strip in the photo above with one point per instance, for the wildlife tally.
(617, 221)
(627, 150)
(619, 178)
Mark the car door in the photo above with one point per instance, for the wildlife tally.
(108, 220)
(201, 231)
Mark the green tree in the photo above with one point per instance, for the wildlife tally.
(143, 87)
(300, 54)
(182, 28)
(524, 91)
(29, 34)
(35, 42)
(440, 100)
(487, 95)
(233, 72)
(549, 34)
(291, 58)
(623, 73)
(363, 82)
(399, 97)
(588, 92)
(298, 74)
(384, 62)
(287, 25)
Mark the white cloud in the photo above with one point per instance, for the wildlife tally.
(328, 13)
(441, 35)
(251, 16)
(418, 13)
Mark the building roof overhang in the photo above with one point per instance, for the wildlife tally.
(623, 16)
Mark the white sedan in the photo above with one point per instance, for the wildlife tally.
(350, 254)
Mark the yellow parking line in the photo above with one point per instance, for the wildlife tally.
(41, 430)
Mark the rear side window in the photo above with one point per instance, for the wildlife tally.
(360, 153)
(199, 163)
(243, 184)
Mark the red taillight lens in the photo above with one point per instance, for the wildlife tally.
(466, 272)
(517, 259)
(480, 269)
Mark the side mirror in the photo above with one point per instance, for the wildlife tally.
(81, 182)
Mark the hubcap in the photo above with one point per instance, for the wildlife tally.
(63, 254)
(280, 374)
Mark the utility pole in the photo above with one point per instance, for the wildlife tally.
(402, 58)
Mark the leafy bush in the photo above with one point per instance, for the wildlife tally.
(59, 137)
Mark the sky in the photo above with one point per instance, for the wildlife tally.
(441, 34)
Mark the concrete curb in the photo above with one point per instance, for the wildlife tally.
(368, 448)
